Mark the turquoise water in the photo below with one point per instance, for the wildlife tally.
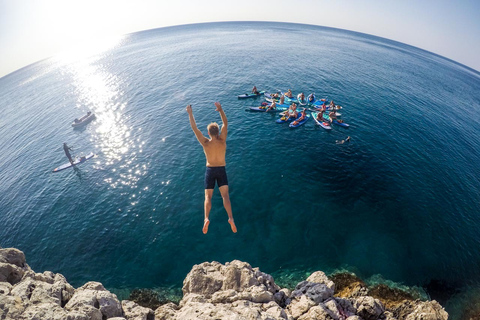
(401, 200)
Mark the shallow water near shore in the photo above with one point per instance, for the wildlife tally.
(401, 199)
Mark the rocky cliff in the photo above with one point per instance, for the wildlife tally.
(210, 291)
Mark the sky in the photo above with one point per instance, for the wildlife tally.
(32, 30)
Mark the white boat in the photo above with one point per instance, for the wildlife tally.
(83, 120)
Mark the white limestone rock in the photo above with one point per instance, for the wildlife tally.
(428, 310)
(166, 312)
(94, 295)
(368, 308)
(133, 311)
(320, 277)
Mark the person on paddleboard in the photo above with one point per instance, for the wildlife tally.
(214, 149)
(254, 90)
(67, 150)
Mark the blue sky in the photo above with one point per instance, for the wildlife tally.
(32, 30)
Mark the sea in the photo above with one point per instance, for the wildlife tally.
(399, 203)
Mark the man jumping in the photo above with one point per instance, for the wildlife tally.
(214, 149)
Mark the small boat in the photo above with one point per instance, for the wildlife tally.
(83, 120)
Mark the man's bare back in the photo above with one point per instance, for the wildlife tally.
(215, 149)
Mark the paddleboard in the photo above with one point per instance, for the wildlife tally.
(324, 124)
(250, 95)
(292, 125)
(264, 109)
(77, 161)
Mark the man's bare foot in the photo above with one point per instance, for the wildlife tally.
(232, 224)
(205, 226)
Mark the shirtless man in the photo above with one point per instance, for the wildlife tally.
(214, 149)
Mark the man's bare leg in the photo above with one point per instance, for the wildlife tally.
(208, 207)
(228, 206)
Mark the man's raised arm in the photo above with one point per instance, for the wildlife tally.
(193, 124)
(223, 133)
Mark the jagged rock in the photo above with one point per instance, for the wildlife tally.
(13, 256)
(211, 277)
(238, 310)
(316, 313)
(94, 295)
(345, 307)
(46, 311)
(368, 308)
(317, 292)
(420, 310)
(300, 306)
(10, 273)
(5, 288)
(166, 311)
(134, 311)
(320, 277)
(11, 307)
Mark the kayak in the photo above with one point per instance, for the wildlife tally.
(279, 108)
(296, 125)
(83, 120)
(281, 120)
(303, 101)
(325, 125)
(77, 161)
(250, 95)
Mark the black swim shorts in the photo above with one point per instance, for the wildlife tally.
(218, 174)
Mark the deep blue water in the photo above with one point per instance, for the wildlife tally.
(401, 200)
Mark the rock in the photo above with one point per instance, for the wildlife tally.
(320, 277)
(300, 306)
(348, 285)
(11, 307)
(428, 310)
(133, 311)
(345, 307)
(166, 311)
(94, 295)
(420, 310)
(316, 313)
(47, 311)
(227, 283)
(368, 308)
(317, 292)
(5, 288)
(13, 256)
(10, 273)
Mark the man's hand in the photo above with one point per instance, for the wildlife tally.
(189, 109)
(218, 105)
